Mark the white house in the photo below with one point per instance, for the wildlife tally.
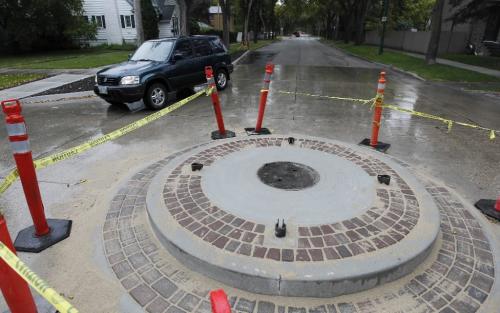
(116, 23)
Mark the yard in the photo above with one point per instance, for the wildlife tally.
(436, 72)
(13, 80)
(68, 59)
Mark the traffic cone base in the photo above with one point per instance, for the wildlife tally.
(27, 241)
(487, 207)
(263, 131)
(227, 134)
(380, 146)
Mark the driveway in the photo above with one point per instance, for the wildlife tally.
(81, 188)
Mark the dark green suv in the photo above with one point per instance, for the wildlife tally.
(159, 68)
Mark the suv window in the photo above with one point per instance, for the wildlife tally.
(183, 47)
(217, 45)
(201, 47)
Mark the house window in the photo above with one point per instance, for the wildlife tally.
(99, 20)
(128, 21)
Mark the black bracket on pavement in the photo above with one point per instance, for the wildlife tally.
(263, 131)
(384, 179)
(381, 146)
(217, 135)
(196, 167)
(487, 207)
(27, 241)
(280, 230)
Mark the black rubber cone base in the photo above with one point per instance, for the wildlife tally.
(263, 131)
(217, 135)
(487, 207)
(27, 241)
(381, 146)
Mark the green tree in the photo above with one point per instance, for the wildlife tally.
(42, 24)
(149, 20)
(479, 9)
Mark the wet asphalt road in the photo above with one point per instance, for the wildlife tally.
(464, 158)
(80, 188)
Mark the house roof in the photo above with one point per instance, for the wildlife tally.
(165, 8)
(215, 9)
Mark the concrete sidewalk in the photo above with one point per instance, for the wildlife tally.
(42, 85)
(464, 66)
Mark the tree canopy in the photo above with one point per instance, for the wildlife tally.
(349, 19)
(42, 24)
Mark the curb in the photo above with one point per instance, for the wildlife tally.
(235, 62)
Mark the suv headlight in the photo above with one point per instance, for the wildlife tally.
(129, 80)
(95, 79)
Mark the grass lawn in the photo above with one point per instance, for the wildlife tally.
(235, 47)
(13, 80)
(436, 72)
(67, 59)
(483, 61)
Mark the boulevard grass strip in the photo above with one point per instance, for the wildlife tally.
(435, 72)
(492, 63)
(13, 80)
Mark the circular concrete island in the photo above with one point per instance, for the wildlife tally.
(346, 231)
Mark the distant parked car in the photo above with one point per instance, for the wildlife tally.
(159, 68)
(296, 34)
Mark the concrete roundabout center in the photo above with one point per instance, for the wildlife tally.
(348, 232)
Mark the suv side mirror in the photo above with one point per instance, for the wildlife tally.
(177, 57)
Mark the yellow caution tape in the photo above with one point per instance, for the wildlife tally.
(68, 153)
(448, 122)
(444, 120)
(52, 296)
(364, 101)
(8, 181)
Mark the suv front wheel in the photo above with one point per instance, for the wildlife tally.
(221, 79)
(156, 96)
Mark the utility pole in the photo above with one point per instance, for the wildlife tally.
(138, 22)
(384, 24)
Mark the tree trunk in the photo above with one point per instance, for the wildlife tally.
(138, 22)
(247, 18)
(361, 11)
(262, 21)
(226, 12)
(433, 48)
(184, 16)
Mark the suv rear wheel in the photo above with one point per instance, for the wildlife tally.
(156, 96)
(221, 79)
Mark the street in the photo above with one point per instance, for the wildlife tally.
(81, 188)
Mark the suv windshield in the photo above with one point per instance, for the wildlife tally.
(153, 51)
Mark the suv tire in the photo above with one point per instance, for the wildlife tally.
(156, 96)
(221, 79)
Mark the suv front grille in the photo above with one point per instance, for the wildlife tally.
(108, 81)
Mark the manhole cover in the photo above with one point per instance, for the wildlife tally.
(288, 175)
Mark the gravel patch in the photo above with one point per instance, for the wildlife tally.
(85, 84)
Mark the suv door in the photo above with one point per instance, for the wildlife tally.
(183, 71)
(203, 56)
